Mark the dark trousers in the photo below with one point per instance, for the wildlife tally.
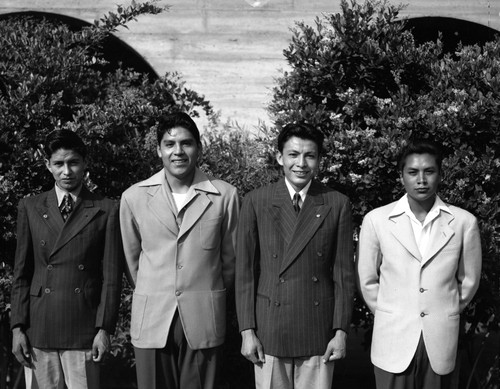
(176, 366)
(419, 375)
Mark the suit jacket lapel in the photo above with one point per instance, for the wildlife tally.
(440, 235)
(402, 230)
(50, 214)
(197, 201)
(282, 211)
(82, 214)
(310, 218)
(161, 206)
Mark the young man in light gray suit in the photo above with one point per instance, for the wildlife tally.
(419, 265)
(179, 231)
(295, 270)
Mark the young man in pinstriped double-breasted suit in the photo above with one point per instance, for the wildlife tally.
(67, 273)
(294, 271)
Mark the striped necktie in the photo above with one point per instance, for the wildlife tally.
(296, 202)
(66, 206)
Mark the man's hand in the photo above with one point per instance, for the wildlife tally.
(336, 348)
(21, 347)
(251, 348)
(101, 345)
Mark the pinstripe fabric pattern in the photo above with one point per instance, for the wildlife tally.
(294, 274)
(67, 276)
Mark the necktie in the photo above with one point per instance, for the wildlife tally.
(296, 202)
(66, 206)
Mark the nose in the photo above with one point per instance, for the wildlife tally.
(421, 178)
(301, 160)
(66, 169)
(178, 149)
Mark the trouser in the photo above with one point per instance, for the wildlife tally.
(54, 368)
(418, 375)
(294, 373)
(176, 366)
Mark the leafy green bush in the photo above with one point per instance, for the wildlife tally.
(359, 77)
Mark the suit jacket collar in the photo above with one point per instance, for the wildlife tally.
(162, 203)
(82, 214)
(403, 231)
(297, 230)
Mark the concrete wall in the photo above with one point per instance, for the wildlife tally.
(228, 50)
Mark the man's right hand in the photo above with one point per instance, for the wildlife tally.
(20, 347)
(251, 348)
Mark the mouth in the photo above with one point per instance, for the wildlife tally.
(300, 173)
(422, 190)
(179, 161)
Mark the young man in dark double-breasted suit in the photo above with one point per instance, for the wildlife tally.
(67, 273)
(294, 270)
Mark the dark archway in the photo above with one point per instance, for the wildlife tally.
(114, 50)
(453, 31)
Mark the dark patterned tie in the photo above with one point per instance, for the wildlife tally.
(66, 206)
(296, 202)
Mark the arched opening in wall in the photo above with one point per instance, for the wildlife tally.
(114, 50)
(453, 31)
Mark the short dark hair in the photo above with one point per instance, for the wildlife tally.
(177, 119)
(64, 139)
(302, 131)
(420, 146)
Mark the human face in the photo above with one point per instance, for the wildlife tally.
(421, 178)
(179, 152)
(300, 160)
(67, 168)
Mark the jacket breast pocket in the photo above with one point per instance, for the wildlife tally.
(210, 233)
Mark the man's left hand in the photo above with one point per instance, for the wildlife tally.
(336, 348)
(101, 345)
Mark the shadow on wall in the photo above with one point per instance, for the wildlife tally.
(453, 31)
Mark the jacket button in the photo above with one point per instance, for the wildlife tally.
(422, 290)
(50, 267)
(282, 280)
(316, 303)
(42, 243)
(320, 254)
(47, 290)
(45, 216)
(81, 267)
(422, 314)
(179, 267)
(77, 290)
(275, 256)
(315, 279)
(178, 292)
(277, 303)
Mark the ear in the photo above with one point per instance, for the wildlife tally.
(158, 151)
(279, 158)
(47, 165)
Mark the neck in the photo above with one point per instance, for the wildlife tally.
(421, 209)
(180, 186)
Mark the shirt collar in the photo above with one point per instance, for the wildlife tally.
(302, 193)
(61, 193)
(403, 206)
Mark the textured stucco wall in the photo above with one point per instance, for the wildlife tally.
(228, 50)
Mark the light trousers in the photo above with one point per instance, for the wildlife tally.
(54, 368)
(294, 373)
